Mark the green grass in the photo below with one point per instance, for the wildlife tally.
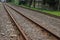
(57, 13)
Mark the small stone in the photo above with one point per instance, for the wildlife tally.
(2, 34)
(14, 35)
(8, 22)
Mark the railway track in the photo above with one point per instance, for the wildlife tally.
(51, 26)
(8, 29)
(21, 34)
(34, 31)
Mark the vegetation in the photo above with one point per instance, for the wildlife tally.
(57, 13)
(48, 6)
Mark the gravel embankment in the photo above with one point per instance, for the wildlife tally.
(7, 30)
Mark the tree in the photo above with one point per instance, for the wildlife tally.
(30, 3)
(8, 0)
(58, 5)
(34, 3)
(52, 4)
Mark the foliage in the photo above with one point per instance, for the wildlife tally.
(52, 4)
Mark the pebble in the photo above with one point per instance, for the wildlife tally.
(2, 34)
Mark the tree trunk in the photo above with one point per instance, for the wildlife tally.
(30, 3)
(34, 3)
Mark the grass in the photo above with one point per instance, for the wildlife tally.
(57, 13)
